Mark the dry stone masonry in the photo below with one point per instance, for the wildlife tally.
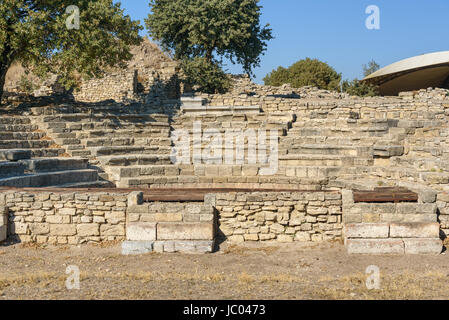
(329, 144)
(64, 218)
(280, 216)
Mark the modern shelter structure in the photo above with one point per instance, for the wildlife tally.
(420, 72)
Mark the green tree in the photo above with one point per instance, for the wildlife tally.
(360, 88)
(307, 72)
(36, 34)
(210, 28)
(370, 68)
(207, 77)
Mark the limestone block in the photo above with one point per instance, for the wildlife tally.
(137, 247)
(367, 230)
(3, 232)
(185, 231)
(135, 198)
(168, 217)
(423, 246)
(375, 246)
(112, 230)
(415, 230)
(62, 229)
(141, 231)
(88, 229)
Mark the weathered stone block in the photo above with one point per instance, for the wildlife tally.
(39, 228)
(141, 231)
(137, 247)
(375, 246)
(143, 208)
(62, 229)
(3, 216)
(67, 211)
(367, 230)
(168, 217)
(112, 230)
(185, 231)
(415, 230)
(88, 229)
(3, 232)
(423, 246)
(135, 198)
(194, 246)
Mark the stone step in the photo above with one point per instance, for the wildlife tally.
(132, 160)
(327, 149)
(14, 120)
(55, 164)
(321, 160)
(235, 131)
(423, 164)
(11, 169)
(120, 133)
(18, 128)
(190, 182)
(47, 152)
(106, 124)
(48, 179)
(291, 140)
(127, 150)
(81, 153)
(103, 142)
(67, 141)
(21, 135)
(329, 132)
(25, 144)
(15, 155)
(98, 117)
(89, 184)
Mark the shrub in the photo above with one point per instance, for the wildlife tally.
(307, 72)
(361, 89)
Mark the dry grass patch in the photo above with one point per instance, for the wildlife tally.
(241, 250)
(405, 286)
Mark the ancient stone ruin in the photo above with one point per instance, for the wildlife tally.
(312, 165)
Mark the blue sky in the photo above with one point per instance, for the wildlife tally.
(334, 31)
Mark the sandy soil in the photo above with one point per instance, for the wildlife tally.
(250, 271)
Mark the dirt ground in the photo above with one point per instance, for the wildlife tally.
(250, 272)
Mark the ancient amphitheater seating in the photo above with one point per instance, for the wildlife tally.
(29, 158)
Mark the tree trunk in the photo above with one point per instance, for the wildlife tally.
(209, 55)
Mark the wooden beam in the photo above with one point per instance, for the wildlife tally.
(385, 195)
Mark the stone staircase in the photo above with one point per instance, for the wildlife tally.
(110, 140)
(18, 132)
(339, 147)
(29, 158)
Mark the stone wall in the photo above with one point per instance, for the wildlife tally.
(169, 226)
(65, 218)
(3, 222)
(117, 86)
(280, 216)
(391, 228)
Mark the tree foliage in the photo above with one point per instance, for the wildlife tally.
(35, 33)
(363, 89)
(370, 68)
(307, 72)
(207, 77)
(210, 29)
